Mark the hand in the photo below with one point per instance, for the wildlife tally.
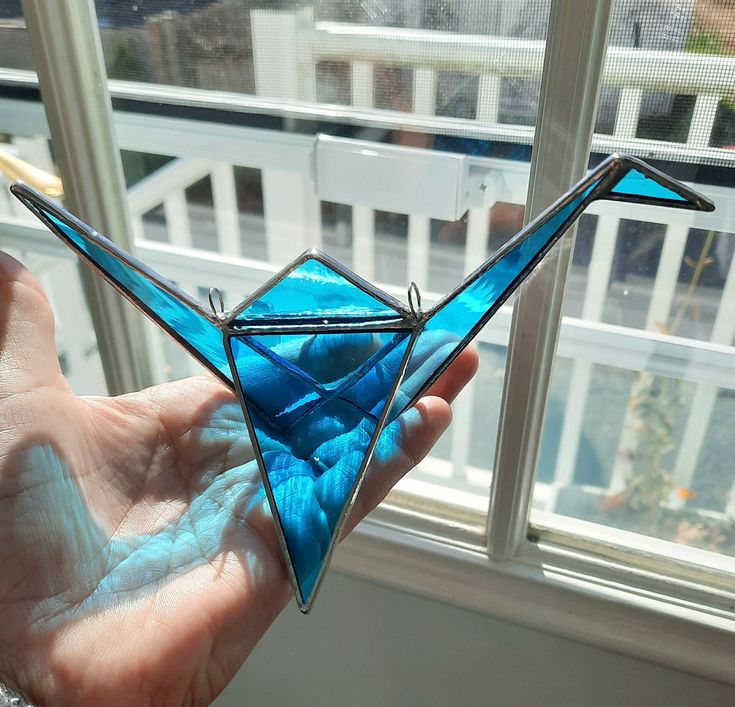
(139, 562)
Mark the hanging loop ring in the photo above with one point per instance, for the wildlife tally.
(414, 300)
(218, 307)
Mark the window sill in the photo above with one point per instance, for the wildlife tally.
(571, 593)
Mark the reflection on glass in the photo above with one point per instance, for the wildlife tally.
(182, 321)
(314, 422)
(15, 48)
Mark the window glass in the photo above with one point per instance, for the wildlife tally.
(449, 77)
(637, 432)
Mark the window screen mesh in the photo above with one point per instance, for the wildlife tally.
(670, 78)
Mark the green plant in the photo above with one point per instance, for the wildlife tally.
(125, 64)
(653, 408)
(705, 42)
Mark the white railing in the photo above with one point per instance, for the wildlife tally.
(668, 72)
(291, 212)
(491, 59)
(710, 365)
(587, 342)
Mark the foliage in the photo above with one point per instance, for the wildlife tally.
(705, 42)
(654, 409)
(649, 501)
(125, 64)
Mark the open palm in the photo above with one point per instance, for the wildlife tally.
(138, 561)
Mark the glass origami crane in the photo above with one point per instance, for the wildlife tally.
(342, 359)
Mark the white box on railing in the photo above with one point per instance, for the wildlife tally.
(405, 180)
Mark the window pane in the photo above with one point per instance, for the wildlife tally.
(450, 77)
(639, 418)
(386, 55)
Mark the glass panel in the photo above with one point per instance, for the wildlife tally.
(338, 52)
(76, 342)
(315, 402)
(467, 308)
(639, 414)
(15, 49)
(636, 183)
(315, 291)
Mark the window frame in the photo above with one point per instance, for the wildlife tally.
(576, 44)
(619, 592)
(613, 594)
(67, 52)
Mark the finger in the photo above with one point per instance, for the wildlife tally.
(358, 397)
(328, 357)
(27, 348)
(457, 375)
(273, 377)
(345, 456)
(323, 357)
(420, 371)
(418, 374)
(197, 422)
(402, 445)
(407, 440)
(318, 435)
(427, 345)
(361, 366)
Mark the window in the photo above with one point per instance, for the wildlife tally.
(631, 441)
(218, 107)
(232, 197)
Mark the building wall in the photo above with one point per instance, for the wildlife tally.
(369, 645)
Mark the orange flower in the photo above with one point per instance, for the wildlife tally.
(686, 494)
(610, 503)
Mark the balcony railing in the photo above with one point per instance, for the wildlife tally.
(708, 364)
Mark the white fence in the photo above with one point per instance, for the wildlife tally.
(291, 210)
(492, 59)
(586, 341)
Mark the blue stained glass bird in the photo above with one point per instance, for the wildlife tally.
(342, 359)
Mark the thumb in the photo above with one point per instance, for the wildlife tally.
(28, 356)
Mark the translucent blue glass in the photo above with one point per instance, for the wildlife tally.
(317, 352)
(183, 321)
(468, 307)
(315, 291)
(315, 403)
(635, 183)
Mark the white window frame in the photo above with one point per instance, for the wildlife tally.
(605, 587)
